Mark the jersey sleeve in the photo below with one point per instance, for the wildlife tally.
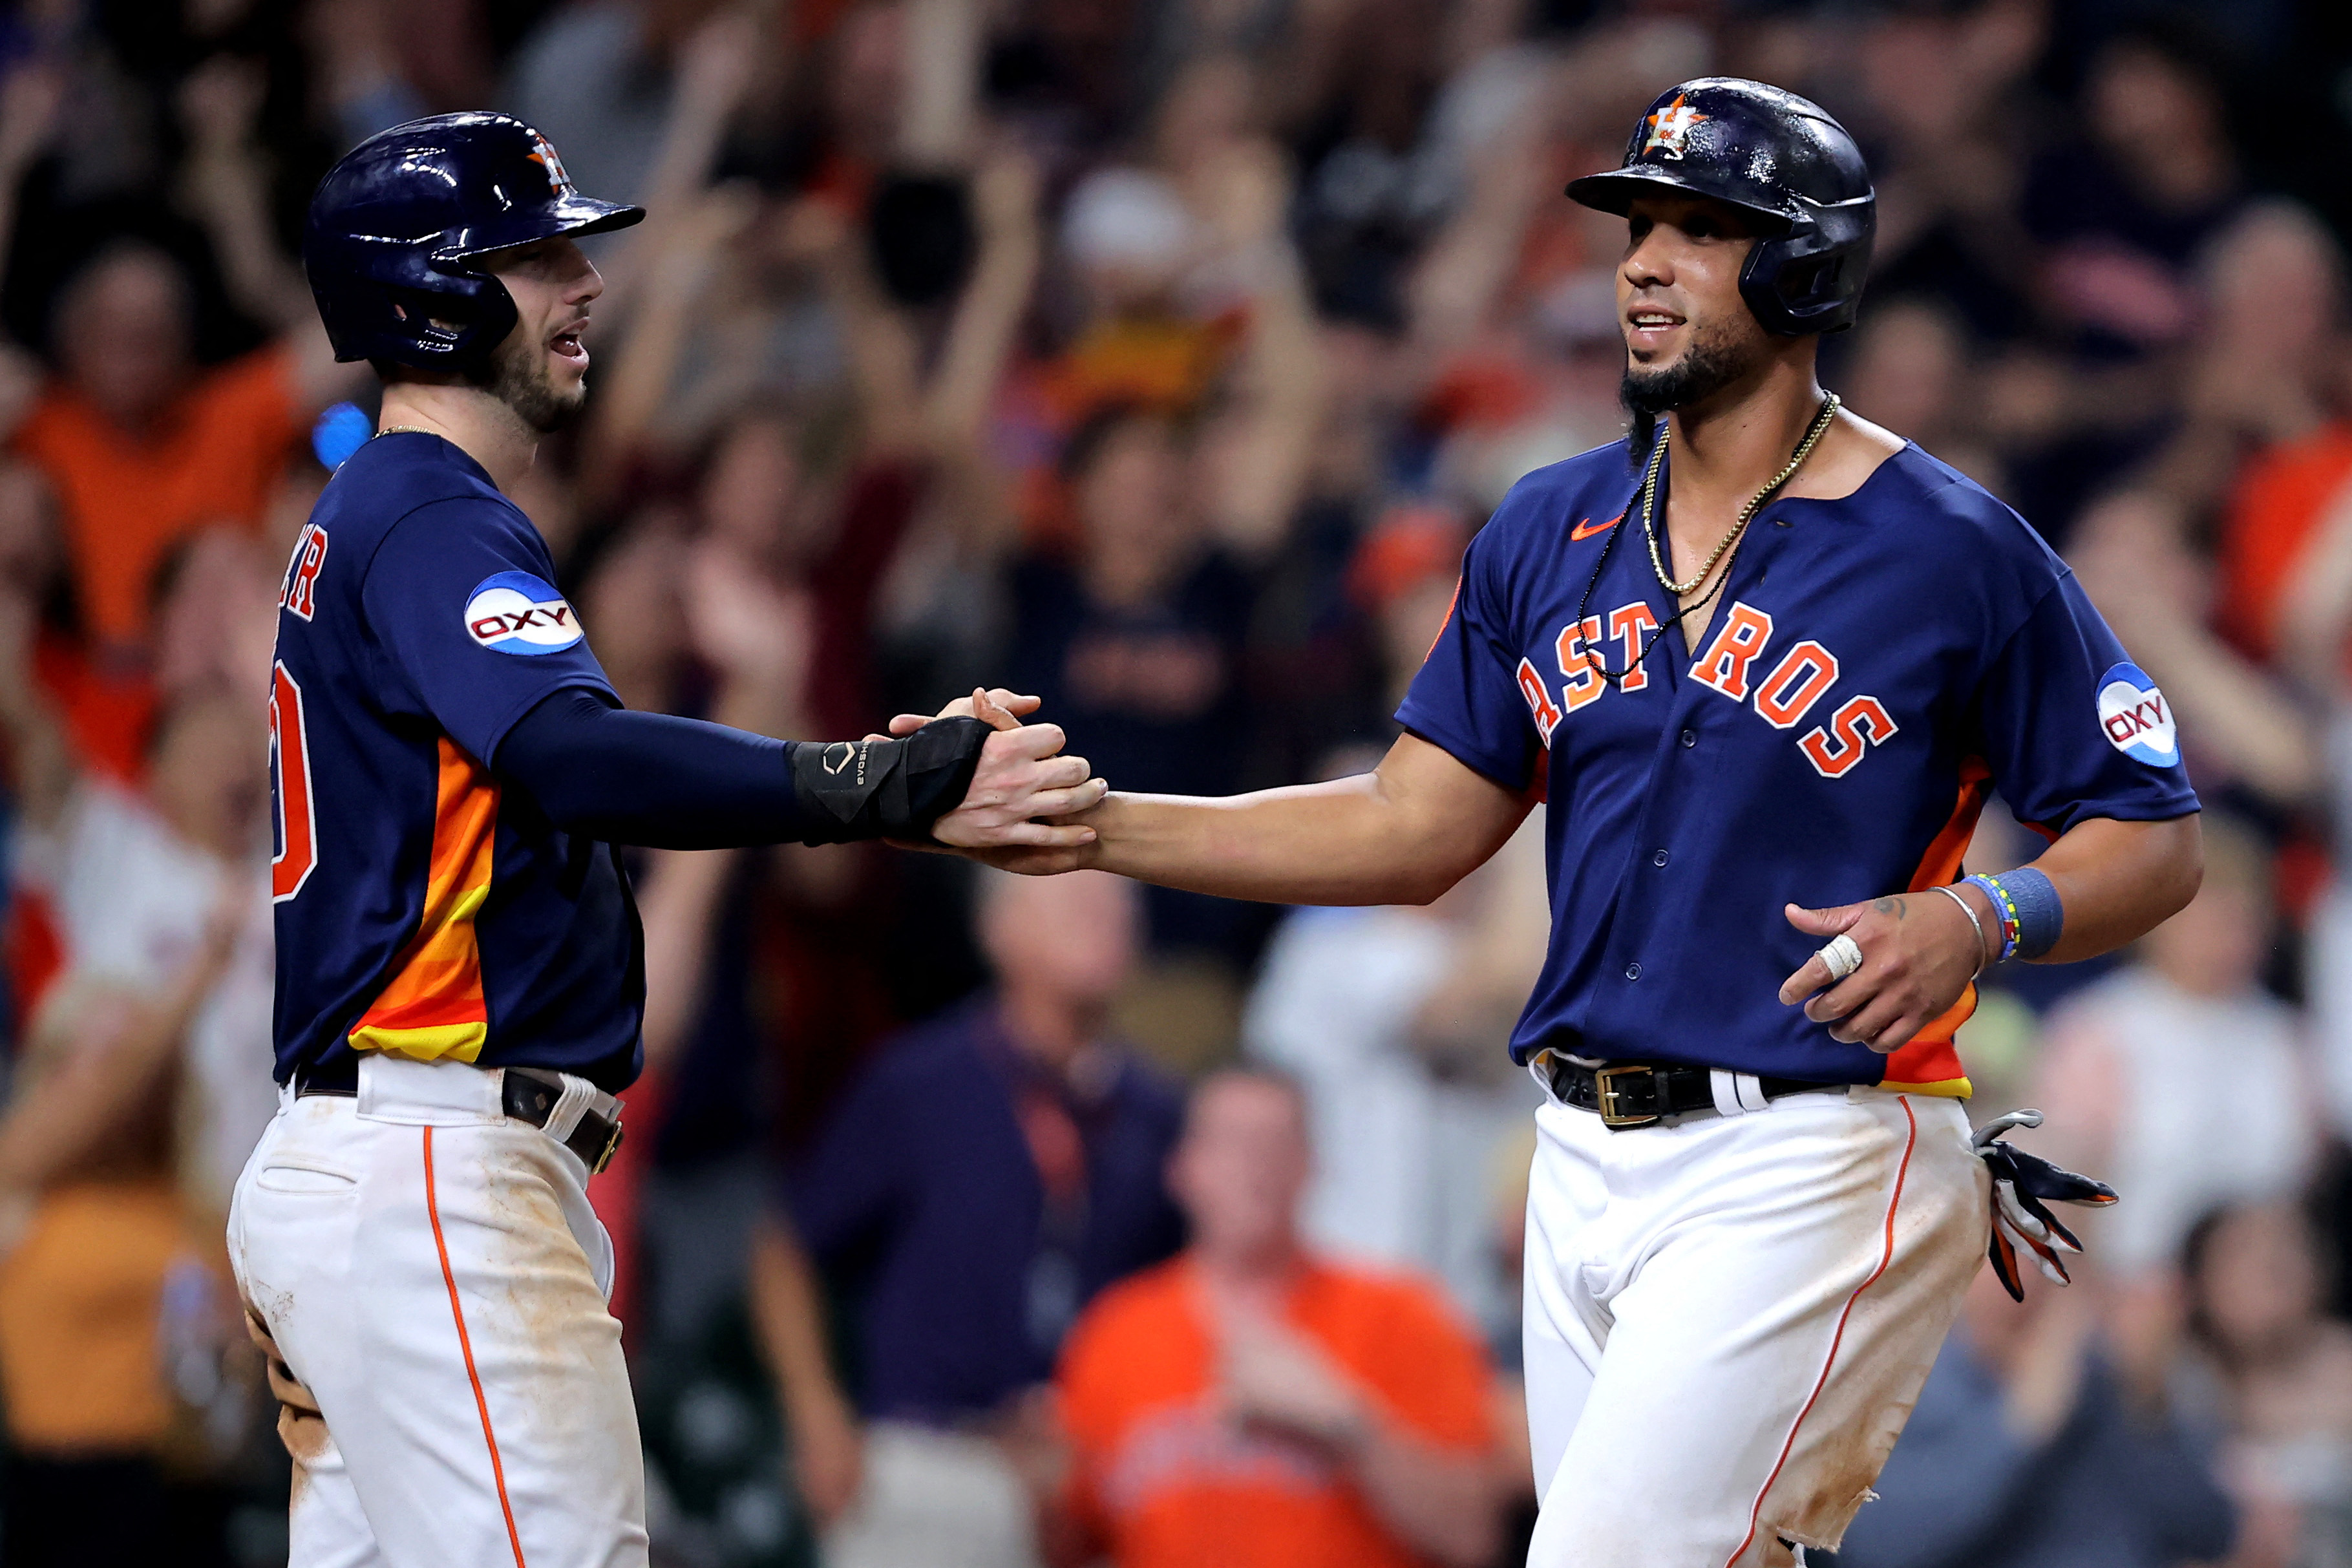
(1466, 698)
(461, 596)
(2073, 729)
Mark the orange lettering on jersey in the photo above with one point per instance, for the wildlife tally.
(1796, 684)
(1539, 703)
(1862, 723)
(1631, 625)
(1725, 664)
(1574, 651)
(432, 1006)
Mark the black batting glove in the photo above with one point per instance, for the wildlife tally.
(2023, 1185)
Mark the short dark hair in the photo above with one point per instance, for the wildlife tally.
(1085, 446)
(1282, 1078)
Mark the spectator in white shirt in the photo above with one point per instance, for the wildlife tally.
(2137, 1068)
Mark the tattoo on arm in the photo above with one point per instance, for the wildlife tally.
(1899, 908)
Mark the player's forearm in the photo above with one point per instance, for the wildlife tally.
(1344, 842)
(666, 782)
(788, 1319)
(677, 903)
(1445, 1504)
(2119, 881)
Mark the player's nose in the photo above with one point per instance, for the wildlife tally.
(1649, 263)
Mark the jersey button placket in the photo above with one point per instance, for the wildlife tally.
(1690, 737)
(1659, 857)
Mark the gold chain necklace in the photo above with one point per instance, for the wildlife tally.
(405, 430)
(1746, 514)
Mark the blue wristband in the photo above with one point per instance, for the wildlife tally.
(2041, 918)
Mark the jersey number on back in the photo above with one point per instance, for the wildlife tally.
(296, 854)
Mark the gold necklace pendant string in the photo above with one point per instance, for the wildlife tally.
(1746, 514)
(405, 430)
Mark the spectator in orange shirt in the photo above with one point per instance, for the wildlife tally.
(1246, 1404)
(141, 445)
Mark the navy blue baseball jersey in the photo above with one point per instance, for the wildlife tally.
(422, 909)
(1875, 666)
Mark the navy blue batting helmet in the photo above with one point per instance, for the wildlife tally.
(1780, 160)
(395, 226)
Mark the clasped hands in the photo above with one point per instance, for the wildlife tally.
(1918, 952)
(1023, 777)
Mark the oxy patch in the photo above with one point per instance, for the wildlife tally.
(2135, 717)
(514, 611)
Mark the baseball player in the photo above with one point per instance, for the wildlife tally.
(1764, 661)
(460, 972)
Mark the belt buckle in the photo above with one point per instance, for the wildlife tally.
(1612, 1112)
(612, 1147)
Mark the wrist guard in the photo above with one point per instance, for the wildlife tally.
(853, 790)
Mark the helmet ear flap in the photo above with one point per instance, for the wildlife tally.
(1810, 280)
(448, 328)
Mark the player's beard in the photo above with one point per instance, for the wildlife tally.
(1717, 357)
(517, 376)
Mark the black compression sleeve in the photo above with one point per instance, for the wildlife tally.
(665, 783)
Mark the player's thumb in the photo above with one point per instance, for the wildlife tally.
(1823, 922)
(989, 710)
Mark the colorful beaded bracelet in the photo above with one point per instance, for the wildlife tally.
(2032, 918)
(2004, 907)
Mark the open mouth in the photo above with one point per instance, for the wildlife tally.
(1647, 329)
(566, 345)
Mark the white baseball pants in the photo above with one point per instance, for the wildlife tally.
(431, 1269)
(1728, 1319)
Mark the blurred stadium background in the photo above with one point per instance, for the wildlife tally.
(1159, 357)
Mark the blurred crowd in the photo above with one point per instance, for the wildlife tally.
(1158, 357)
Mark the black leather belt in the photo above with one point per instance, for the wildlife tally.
(1635, 1094)
(527, 1094)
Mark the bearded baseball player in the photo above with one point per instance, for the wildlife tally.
(459, 966)
(1764, 661)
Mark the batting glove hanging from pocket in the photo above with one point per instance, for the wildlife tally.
(2022, 1186)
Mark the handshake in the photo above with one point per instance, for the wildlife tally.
(1022, 778)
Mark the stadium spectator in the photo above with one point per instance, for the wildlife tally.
(1137, 639)
(96, 1241)
(131, 880)
(2243, 724)
(2034, 1446)
(2127, 1065)
(2126, 206)
(980, 1180)
(141, 445)
(601, 79)
(1252, 1403)
(1387, 1018)
(2286, 1369)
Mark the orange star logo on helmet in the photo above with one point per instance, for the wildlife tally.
(557, 180)
(1670, 128)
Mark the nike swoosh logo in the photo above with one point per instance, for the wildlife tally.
(1585, 530)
